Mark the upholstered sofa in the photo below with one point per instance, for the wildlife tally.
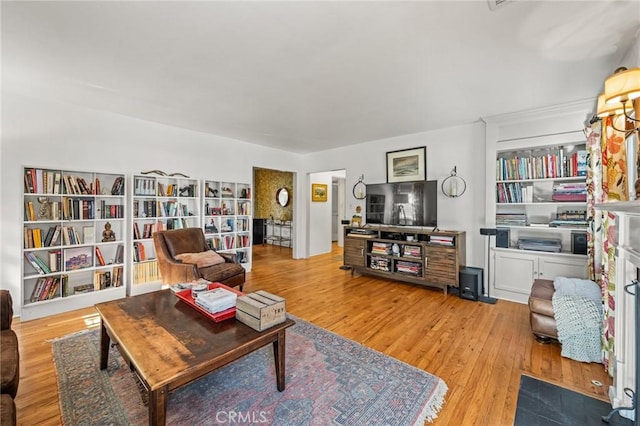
(183, 256)
(541, 317)
(9, 361)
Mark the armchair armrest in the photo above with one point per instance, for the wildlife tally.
(6, 310)
(229, 257)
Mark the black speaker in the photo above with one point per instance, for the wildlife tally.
(470, 281)
(488, 231)
(502, 238)
(579, 242)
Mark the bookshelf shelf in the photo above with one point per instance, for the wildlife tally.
(64, 215)
(227, 217)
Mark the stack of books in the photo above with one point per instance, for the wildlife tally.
(381, 248)
(442, 240)
(511, 219)
(570, 192)
(412, 251)
(216, 300)
(410, 268)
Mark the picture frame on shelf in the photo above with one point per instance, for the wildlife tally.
(319, 192)
(407, 165)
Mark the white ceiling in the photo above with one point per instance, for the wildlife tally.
(307, 76)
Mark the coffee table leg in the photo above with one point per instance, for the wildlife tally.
(278, 355)
(158, 407)
(104, 347)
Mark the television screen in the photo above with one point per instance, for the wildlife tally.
(403, 203)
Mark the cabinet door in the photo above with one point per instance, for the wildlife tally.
(515, 271)
(551, 267)
(440, 265)
(354, 251)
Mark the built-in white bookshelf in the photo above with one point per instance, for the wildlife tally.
(158, 203)
(227, 218)
(74, 245)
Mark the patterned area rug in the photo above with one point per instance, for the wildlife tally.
(329, 380)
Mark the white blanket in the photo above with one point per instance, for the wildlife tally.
(577, 307)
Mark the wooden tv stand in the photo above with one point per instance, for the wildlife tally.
(414, 255)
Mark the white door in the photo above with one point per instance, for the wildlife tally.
(551, 267)
(515, 271)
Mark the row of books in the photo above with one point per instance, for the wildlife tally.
(173, 190)
(147, 186)
(46, 288)
(148, 229)
(513, 192)
(551, 165)
(139, 252)
(119, 257)
(227, 242)
(151, 208)
(39, 181)
(107, 279)
(71, 209)
(145, 272)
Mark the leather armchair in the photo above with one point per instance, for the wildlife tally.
(9, 361)
(171, 243)
(541, 316)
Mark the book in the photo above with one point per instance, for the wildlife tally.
(88, 235)
(100, 257)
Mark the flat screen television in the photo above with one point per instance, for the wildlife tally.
(403, 204)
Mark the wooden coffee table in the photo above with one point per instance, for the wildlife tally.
(169, 344)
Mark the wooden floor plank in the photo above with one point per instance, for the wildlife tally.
(479, 350)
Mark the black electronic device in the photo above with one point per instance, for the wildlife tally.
(412, 203)
(488, 231)
(579, 242)
(470, 283)
(502, 238)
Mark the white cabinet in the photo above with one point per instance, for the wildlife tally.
(227, 218)
(515, 271)
(158, 203)
(73, 240)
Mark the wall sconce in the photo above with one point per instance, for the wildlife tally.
(620, 91)
(453, 185)
(360, 189)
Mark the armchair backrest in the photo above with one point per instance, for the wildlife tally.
(178, 241)
(6, 310)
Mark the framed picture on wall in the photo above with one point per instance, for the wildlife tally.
(318, 192)
(407, 164)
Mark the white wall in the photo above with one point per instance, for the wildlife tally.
(320, 216)
(49, 134)
(461, 146)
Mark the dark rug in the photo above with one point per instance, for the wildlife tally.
(541, 403)
(329, 380)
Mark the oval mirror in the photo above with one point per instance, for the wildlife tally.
(282, 196)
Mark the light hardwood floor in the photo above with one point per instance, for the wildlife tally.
(479, 350)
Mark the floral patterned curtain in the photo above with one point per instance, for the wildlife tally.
(606, 181)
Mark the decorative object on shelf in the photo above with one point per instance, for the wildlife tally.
(282, 197)
(44, 212)
(161, 173)
(108, 234)
(488, 299)
(453, 185)
(318, 192)
(356, 219)
(360, 189)
(407, 165)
